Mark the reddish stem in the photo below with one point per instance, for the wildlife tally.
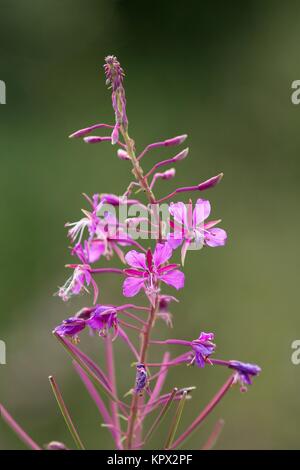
(112, 379)
(18, 430)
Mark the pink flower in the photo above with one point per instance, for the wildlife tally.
(70, 328)
(102, 319)
(78, 283)
(90, 221)
(147, 270)
(189, 227)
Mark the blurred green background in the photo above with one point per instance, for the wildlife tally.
(219, 71)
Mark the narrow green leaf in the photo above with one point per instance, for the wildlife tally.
(176, 421)
(65, 413)
(161, 415)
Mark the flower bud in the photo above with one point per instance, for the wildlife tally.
(93, 139)
(175, 140)
(181, 155)
(210, 183)
(123, 155)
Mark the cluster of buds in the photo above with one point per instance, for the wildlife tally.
(101, 234)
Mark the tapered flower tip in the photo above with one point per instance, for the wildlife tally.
(74, 135)
(111, 199)
(211, 182)
(178, 140)
(55, 445)
(181, 155)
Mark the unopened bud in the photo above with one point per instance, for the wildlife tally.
(169, 174)
(175, 140)
(55, 445)
(123, 155)
(210, 183)
(181, 155)
(92, 139)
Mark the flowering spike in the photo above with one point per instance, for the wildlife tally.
(103, 232)
(114, 78)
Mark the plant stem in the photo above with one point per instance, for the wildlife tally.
(139, 175)
(65, 413)
(143, 355)
(214, 436)
(18, 430)
(112, 379)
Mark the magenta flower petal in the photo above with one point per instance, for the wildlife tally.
(94, 250)
(175, 239)
(179, 211)
(136, 259)
(215, 237)
(70, 327)
(184, 249)
(162, 253)
(201, 211)
(173, 278)
(103, 318)
(132, 286)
